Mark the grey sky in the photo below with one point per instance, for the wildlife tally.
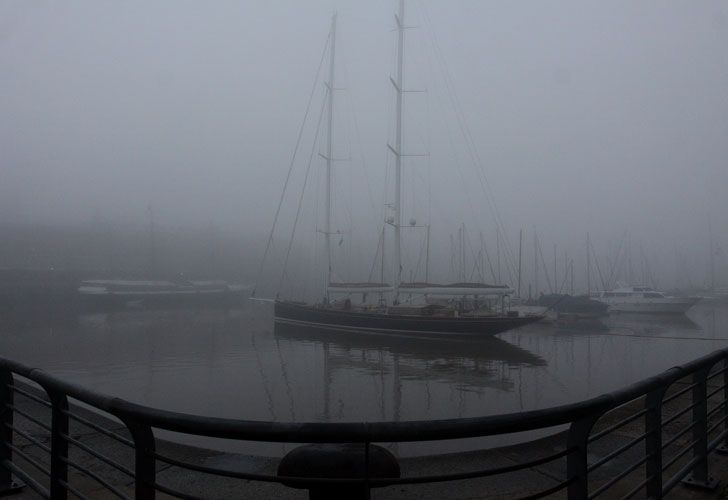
(600, 116)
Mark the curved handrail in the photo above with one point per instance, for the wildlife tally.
(401, 431)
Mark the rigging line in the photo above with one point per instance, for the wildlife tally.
(335, 201)
(487, 258)
(419, 258)
(292, 163)
(447, 80)
(563, 282)
(469, 244)
(477, 268)
(596, 263)
(286, 381)
(264, 378)
(545, 267)
(376, 255)
(300, 199)
(314, 257)
(357, 132)
(617, 261)
(469, 141)
(448, 133)
(465, 184)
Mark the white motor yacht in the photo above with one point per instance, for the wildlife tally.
(643, 299)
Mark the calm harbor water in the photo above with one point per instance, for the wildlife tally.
(234, 363)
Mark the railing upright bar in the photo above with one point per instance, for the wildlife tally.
(653, 442)
(577, 467)
(59, 445)
(367, 485)
(6, 431)
(723, 447)
(144, 461)
(698, 476)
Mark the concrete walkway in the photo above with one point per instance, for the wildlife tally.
(506, 486)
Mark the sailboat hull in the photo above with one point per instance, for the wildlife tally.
(321, 317)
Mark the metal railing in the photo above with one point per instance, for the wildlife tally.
(680, 418)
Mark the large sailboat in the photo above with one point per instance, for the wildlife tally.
(411, 309)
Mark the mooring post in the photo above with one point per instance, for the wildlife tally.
(319, 462)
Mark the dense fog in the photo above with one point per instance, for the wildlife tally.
(137, 133)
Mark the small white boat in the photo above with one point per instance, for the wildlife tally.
(121, 293)
(643, 299)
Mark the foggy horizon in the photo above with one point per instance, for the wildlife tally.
(587, 117)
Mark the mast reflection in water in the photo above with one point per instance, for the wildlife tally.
(462, 368)
(231, 363)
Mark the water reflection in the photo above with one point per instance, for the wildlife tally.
(233, 363)
(665, 325)
(466, 365)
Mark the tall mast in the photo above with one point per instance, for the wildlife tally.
(556, 273)
(571, 266)
(588, 266)
(482, 259)
(462, 252)
(520, 248)
(427, 255)
(382, 299)
(497, 254)
(711, 257)
(398, 153)
(152, 243)
(535, 263)
(329, 152)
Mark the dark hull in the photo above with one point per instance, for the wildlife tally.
(578, 306)
(429, 349)
(302, 314)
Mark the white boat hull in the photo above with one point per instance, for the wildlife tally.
(671, 305)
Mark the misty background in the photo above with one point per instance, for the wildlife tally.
(134, 128)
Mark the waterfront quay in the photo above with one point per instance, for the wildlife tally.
(662, 435)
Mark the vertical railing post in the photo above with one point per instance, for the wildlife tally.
(59, 445)
(653, 442)
(723, 447)
(144, 461)
(6, 432)
(576, 461)
(699, 475)
(7, 485)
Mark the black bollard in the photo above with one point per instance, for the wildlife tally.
(337, 461)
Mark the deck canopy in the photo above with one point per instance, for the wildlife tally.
(460, 289)
(360, 287)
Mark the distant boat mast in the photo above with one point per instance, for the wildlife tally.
(397, 150)
(329, 153)
(711, 257)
